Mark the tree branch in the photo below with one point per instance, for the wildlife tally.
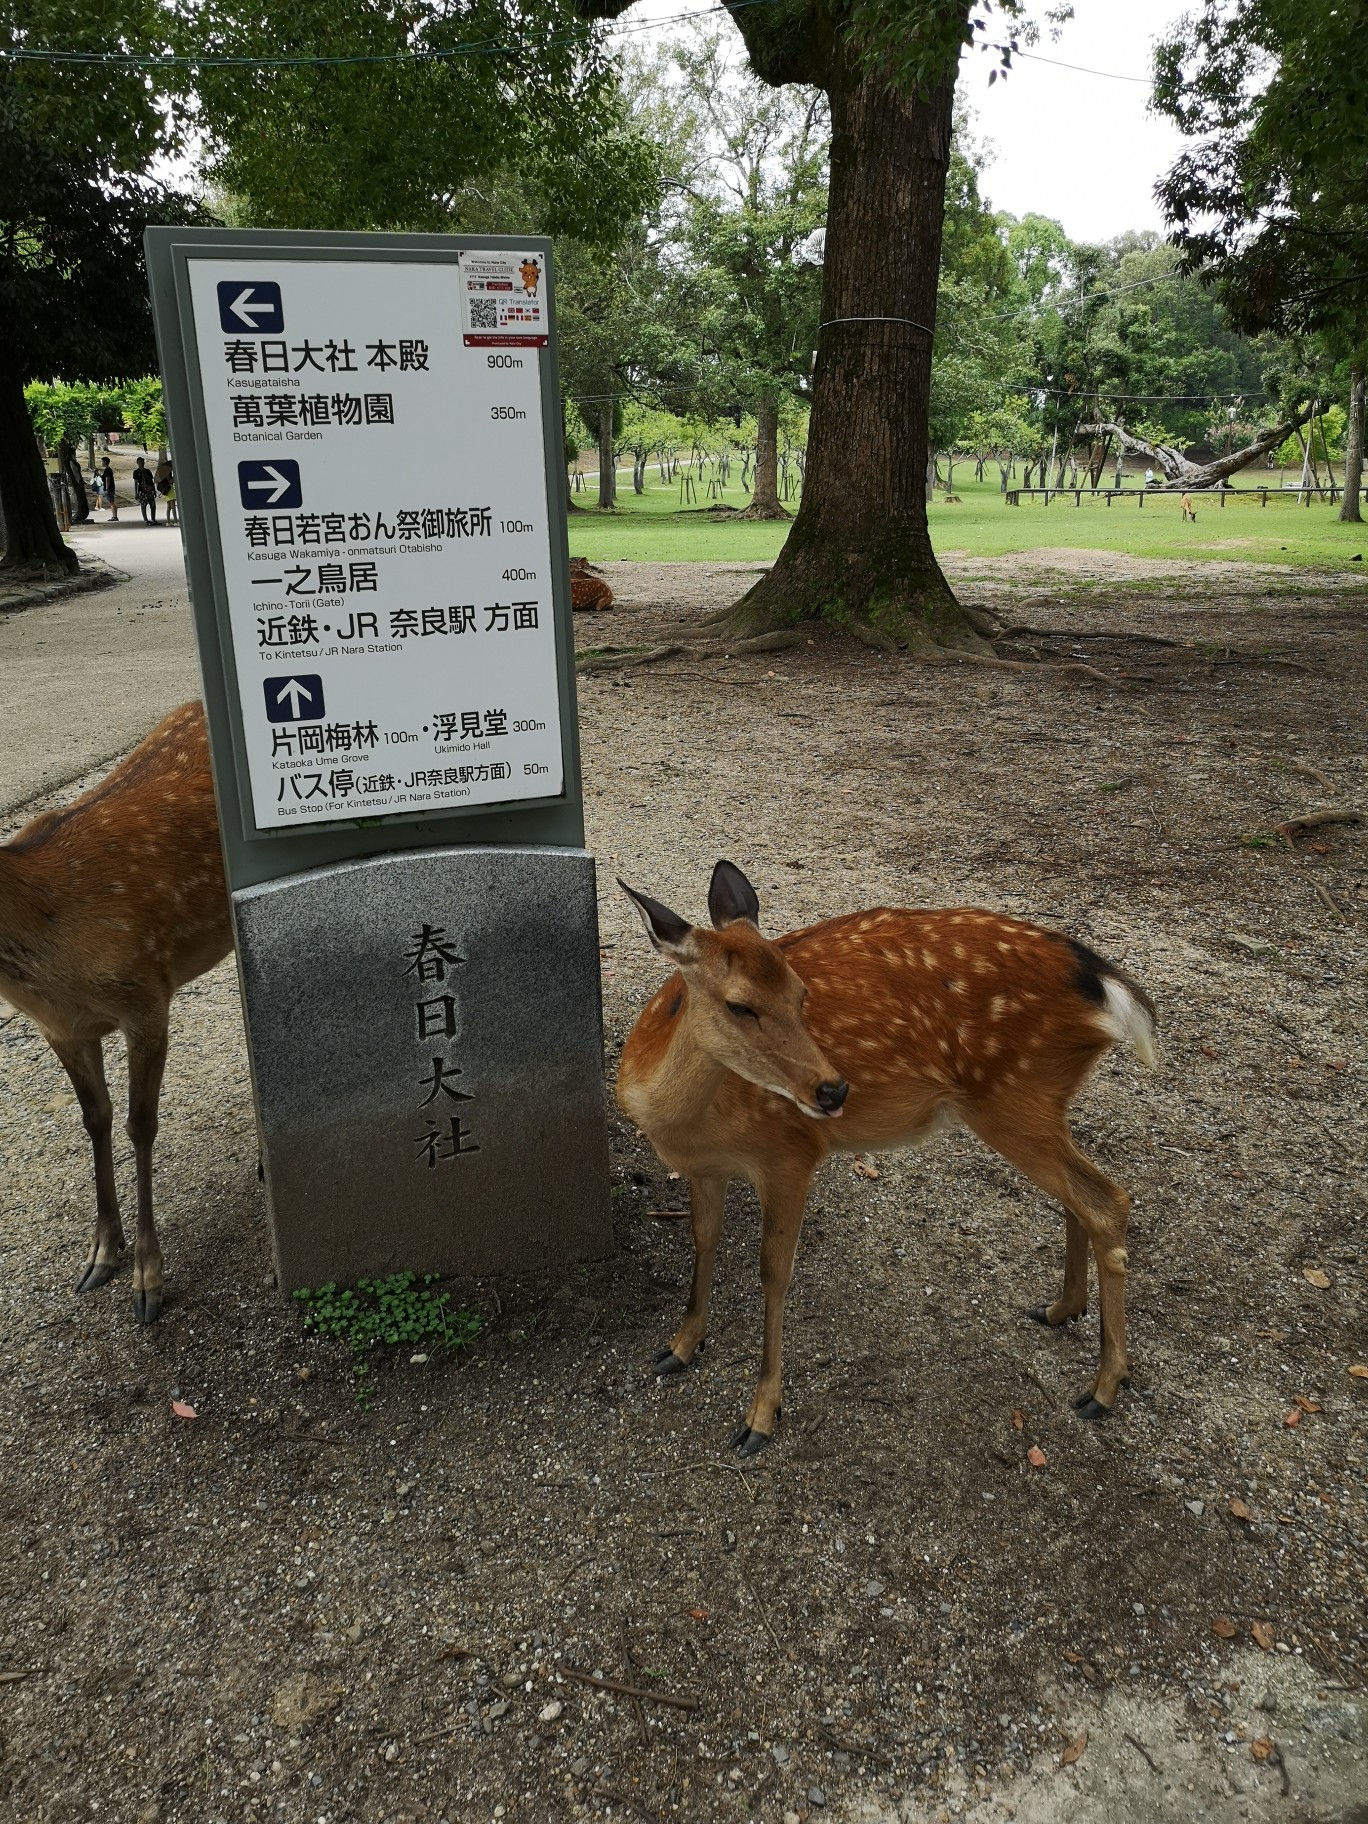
(1179, 472)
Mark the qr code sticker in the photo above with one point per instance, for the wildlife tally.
(484, 313)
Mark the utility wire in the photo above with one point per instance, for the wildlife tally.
(1082, 69)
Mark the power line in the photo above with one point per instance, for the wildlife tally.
(1082, 69)
(475, 47)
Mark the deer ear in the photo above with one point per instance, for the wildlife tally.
(668, 932)
(731, 896)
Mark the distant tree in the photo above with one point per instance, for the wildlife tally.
(753, 199)
(1270, 204)
(859, 550)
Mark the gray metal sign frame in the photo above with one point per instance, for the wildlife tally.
(252, 856)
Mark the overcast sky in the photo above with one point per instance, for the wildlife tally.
(1081, 148)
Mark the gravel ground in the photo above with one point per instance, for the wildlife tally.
(304, 1607)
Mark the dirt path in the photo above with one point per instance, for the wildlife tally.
(296, 1608)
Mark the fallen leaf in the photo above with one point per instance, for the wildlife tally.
(1207, 1051)
(1359, 1370)
(1261, 1633)
(1309, 1405)
(1316, 1276)
(1238, 1508)
(1337, 1063)
(1262, 1748)
(1224, 1628)
(863, 1169)
(1036, 1457)
(453, 1653)
(701, 1614)
(1019, 1417)
(63, 1100)
(1074, 1751)
(1273, 1336)
(1073, 1658)
(1292, 1419)
(182, 1410)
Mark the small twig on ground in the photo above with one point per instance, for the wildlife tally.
(734, 1469)
(631, 1665)
(625, 1690)
(1313, 772)
(13, 1678)
(1328, 900)
(749, 1588)
(1142, 1751)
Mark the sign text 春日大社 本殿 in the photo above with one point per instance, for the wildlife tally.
(377, 449)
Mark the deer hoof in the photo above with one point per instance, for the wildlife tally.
(1039, 1314)
(749, 1443)
(1091, 1409)
(667, 1362)
(147, 1306)
(96, 1273)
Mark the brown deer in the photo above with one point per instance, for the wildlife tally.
(106, 909)
(759, 1058)
(588, 591)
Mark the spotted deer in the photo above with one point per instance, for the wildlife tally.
(588, 591)
(761, 1057)
(107, 908)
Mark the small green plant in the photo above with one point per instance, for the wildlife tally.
(397, 1310)
(1258, 841)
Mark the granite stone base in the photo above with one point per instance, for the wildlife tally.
(426, 1039)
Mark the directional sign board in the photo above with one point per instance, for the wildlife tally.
(369, 458)
(382, 514)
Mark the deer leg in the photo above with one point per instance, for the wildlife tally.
(781, 1217)
(707, 1199)
(83, 1061)
(1044, 1150)
(1074, 1298)
(146, 1062)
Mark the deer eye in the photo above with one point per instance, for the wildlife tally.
(742, 1012)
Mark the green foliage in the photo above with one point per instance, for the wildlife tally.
(71, 413)
(386, 1312)
(409, 140)
(145, 410)
(1270, 199)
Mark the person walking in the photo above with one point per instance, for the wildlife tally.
(145, 492)
(107, 488)
(168, 488)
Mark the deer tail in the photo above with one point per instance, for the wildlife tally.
(1127, 1015)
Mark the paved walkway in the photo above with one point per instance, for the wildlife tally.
(82, 679)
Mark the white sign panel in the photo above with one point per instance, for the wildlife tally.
(381, 492)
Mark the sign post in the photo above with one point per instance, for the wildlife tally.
(368, 453)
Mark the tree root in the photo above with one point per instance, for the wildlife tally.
(1313, 820)
(1067, 633)
(949, 655)
(716, 649)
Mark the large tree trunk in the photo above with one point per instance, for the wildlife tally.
(765, 502)
(1353, 447)
(28, 526)
(607, 460)
(1178, 471)
(860, 550)
(71, 468)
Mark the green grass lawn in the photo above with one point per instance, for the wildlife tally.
(652, 528)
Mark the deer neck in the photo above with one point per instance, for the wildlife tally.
(673, 1099)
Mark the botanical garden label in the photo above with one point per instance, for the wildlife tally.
(380, 487)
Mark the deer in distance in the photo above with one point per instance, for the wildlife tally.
(759, 1058)
(107, 907)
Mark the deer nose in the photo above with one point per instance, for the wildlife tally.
(830, 1096)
